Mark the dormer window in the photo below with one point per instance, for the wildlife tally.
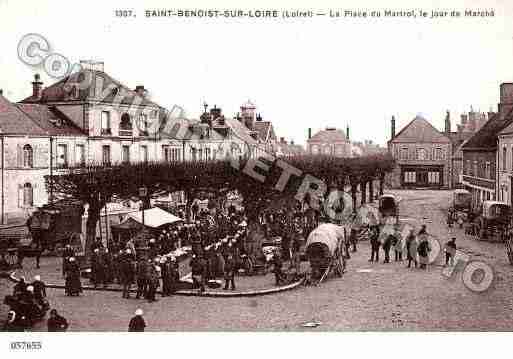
(115, 91)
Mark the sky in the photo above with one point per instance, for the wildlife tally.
(301, 73)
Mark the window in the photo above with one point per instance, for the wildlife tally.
(106, 155)
(439, 155)
(62, 155)
(28, 156)
(410, 177)
(327, 150)
(193, 153)
(488, 173)
(80, 155)
(315, 149)
(28, 195)
(403, 155)
(200, 154)
(105, 122)
(125, 154)
(208, 154)
(166, 153)
(504, 158)
(125, 126)
(175, 154)
(143, 124)
(421, 154)
(144, 153)
(474, 170)
(433, 177)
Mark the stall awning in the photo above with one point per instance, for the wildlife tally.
(153, 217)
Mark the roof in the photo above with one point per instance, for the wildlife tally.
(15, 121)
(241, 131)
(100, 81)
(51, 120)
(486, 136)
(457, 139)
(420, 130)
(288, 149)
(263, 128)
(153, 217)
(329, 135)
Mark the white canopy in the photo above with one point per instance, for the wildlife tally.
(154, 217)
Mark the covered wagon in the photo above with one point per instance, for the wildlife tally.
(325, 250)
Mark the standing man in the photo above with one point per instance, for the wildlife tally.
(127, 273)
(142, 281)
(411, 249)
(229, 271)
(387, 244)
(424, 247)
(375, 244)
(450, 252)
(137, 323)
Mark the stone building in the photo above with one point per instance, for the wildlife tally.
(486, 155)
(469, 124)
(331, 141)
(422, 154)
(91, 118)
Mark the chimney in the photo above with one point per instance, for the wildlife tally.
(1, 92)
(309, 133)
(347, 132)
(291, 142)
(139, 89)
(506, 97)
(392, 125)
(448, 122)
(282, 139)
(258, 117)
(37, 87)
(464, 119)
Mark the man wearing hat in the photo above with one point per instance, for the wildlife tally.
(137, 323)
(127, 273)
(229, 271)
(142, 279)
(56, 323)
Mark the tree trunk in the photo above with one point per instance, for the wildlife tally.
(353, 195)
(381, 184)
(371, 191)
(93, 216)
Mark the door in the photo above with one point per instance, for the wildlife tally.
(422, 178)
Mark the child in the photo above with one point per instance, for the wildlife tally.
(450, 252)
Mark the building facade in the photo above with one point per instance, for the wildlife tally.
(486, 170)
(422, 155)
(330, 142)
(69, 124)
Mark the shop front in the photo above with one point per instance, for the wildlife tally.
(422, 176)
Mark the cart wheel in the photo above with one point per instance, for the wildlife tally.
(11, 258)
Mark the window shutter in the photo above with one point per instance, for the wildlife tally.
(19, 156)
(20, 199)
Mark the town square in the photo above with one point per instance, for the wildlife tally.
(222, 169)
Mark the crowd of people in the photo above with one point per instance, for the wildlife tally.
(415, 247)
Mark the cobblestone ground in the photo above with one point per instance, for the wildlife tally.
(370, 296)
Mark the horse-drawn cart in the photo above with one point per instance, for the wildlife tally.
(325, 250)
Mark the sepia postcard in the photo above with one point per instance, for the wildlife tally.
(189, 169)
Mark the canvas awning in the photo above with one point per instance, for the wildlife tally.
(153, 217)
